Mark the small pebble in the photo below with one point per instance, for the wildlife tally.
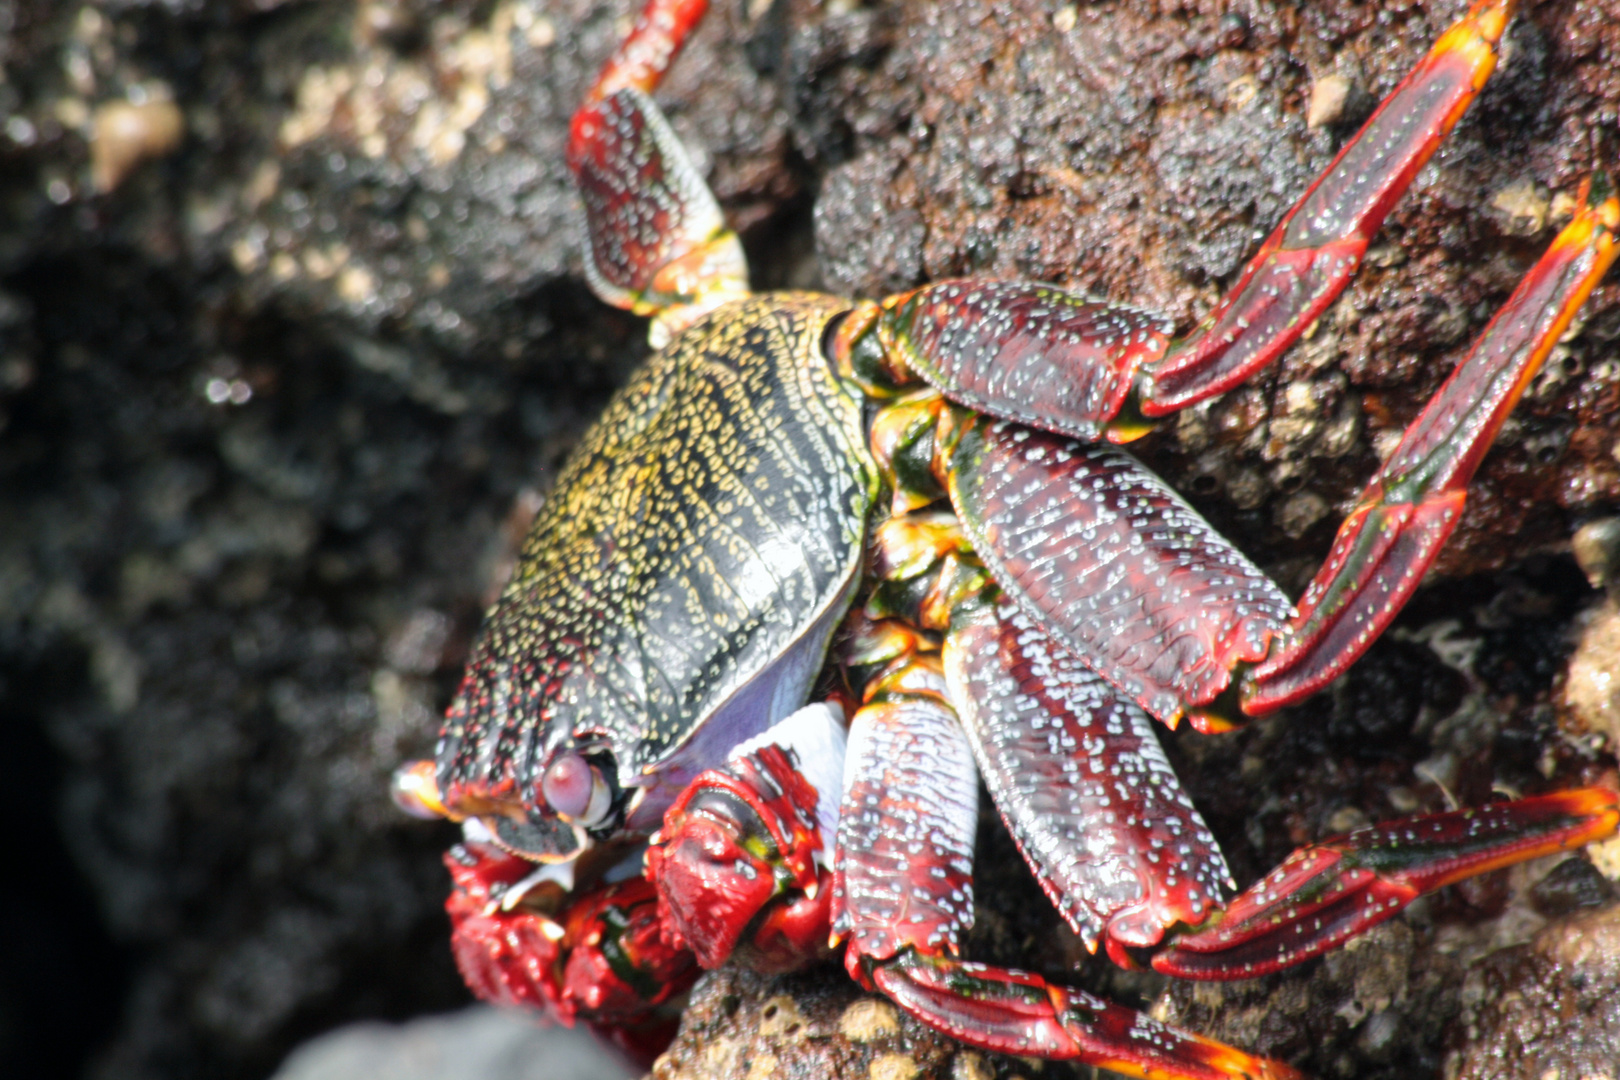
(123, 134)
(1328, 97)
(1597, 547)
(868, 1019)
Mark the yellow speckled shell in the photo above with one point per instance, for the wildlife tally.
(709, 522)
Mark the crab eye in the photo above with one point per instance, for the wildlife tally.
(576, 790)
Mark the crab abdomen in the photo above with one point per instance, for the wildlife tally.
(695, 554)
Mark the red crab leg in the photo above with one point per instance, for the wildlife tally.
(649, 49)
(1016, 1012)
(1317, 247)
(1411, 506)
(904, 899)
(1027, 352)
(1322, 895)
(743, 840)
(658, 242)
(1114, 564)
(1080, 780)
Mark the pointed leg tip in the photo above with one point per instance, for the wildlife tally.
(1489, 18)
(1234, 1063)
(1598, 806)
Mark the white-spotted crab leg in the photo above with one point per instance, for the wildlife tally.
(1049, 517)
(658, 243)
(904, 901)
(739, 871)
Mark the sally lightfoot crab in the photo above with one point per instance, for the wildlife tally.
(910, 509)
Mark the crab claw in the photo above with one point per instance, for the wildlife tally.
(606, 962)
(506, 957)
(619, 967)
(738, 853)
(1324, 894)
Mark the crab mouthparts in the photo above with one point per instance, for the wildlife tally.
(544, 840)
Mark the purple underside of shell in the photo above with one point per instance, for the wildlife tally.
(773, 694)
(1078, 776)
(1114, 564)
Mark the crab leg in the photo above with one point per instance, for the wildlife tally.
(1411, 506)
(1306, 262)
(1322, 895)
(1082, 784)
(1035, 354)
(903, 898)
(658, 242)
(646, 53)
(1114, 564)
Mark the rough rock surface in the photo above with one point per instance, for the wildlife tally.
(803, 1026)
(1551, 1007)
(278, 382)
(1142, 151)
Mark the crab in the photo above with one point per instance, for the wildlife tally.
(825, 565)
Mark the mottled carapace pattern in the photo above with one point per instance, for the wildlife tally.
(705, 524)
(1118, 567)
(1082, 783)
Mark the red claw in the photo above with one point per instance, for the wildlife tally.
(507, 957)
(606, 963)
(741, 840)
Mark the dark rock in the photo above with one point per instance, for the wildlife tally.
(1551, 1007)
(1571, 885)
(806, 1027)
(482, 1042)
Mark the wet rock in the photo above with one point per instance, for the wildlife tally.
(1141, 152)
(813, 1025)
(1376, 1008)
(1571, 885)
(394, 167)
(416, 185)
(123, 134)
(1592, 690)
(1597, 549)
(1549, 1008)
